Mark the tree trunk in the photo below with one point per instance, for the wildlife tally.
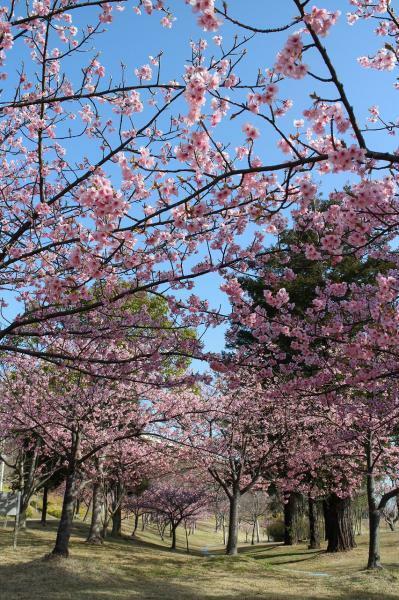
(374, 540)
(290, 518)
(43, 519)
(327, 521)
(136, 524)
(22, 517)
(61, 547)
(95, 536)
(187, 545)
(374, 524)
(224, 530)
(173, 534)
(232, 538)
(314, 532)
(106, 515)
(339, 524)
(390, 524)
(117, 511)
(117, 522)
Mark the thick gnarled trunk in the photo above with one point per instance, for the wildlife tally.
(291, 509)
(339, 524)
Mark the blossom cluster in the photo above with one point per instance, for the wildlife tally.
(288, 59)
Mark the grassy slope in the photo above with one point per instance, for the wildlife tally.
(126, 570)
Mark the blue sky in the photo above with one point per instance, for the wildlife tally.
(131, 39)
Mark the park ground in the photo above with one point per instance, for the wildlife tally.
(126, 569)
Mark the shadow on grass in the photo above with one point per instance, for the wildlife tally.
(260, 547)
(129, 569)
(210, 551)
(64, 580)
(291, 556)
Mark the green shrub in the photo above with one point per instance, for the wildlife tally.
(275, 530)
(30, 512)
(54, 512)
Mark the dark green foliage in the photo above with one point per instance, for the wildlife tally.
(276, 531)
(310, 276)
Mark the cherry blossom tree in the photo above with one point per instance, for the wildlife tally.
(175, 503)
(235, 434)
(74, 418)
(114, 190)
(156, 184)
(77, 418)
(342, 364)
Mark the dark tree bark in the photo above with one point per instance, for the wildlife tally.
(136, 524)
(314, 531)
(61, 547)
(374, 540)
(43, 520)
(187, 534)
(327, 521)
(95, 532)
(375, 507)
(173, 534)
(105, 530)
(339, 524)
(374, 514)
(117, 522)
(375, 510)
(117, 510)
(291, 508)
(232, 538)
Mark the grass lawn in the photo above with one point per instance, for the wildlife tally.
(125, 569)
